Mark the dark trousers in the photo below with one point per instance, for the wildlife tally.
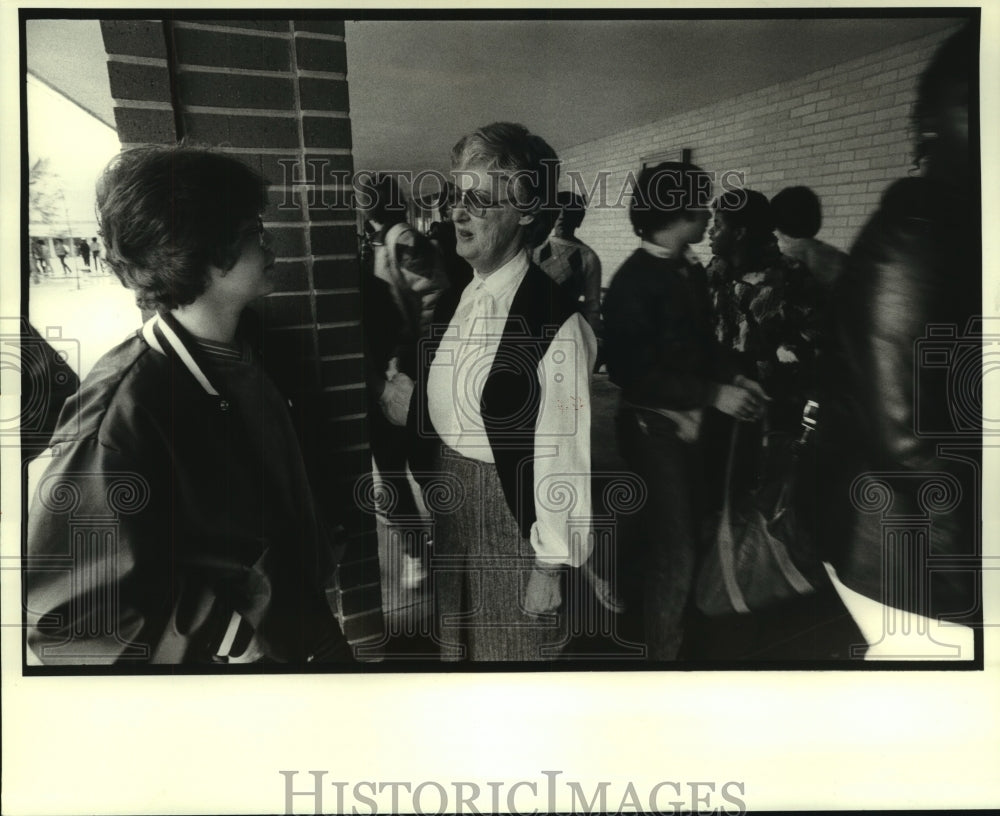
(661, 545)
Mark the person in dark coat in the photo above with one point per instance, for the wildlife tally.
(661, 351)
(175, 501)
(901, 419)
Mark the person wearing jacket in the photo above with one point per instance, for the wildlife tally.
(661, 351)
(401, 288)
(901, 420)
(175, 523)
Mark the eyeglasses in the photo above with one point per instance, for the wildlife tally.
(477, 202)
(259, 230)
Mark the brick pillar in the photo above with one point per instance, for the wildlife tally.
(274, 93)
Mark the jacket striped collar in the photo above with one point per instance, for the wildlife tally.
(164, 334)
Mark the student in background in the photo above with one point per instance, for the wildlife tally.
(797, 218)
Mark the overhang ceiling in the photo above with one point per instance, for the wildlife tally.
(417, 85)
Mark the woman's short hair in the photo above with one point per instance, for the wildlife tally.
(667, 192)
(168, 213)
(797, 212)
(749, 210)
(524, 157)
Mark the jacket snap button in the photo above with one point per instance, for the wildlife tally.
(223, 405)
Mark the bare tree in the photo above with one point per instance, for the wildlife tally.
(44, 192)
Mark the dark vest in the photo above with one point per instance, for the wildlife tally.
(512, 393)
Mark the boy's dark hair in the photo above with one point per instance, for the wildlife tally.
(168, 213)
(666, 193)
(797, 212)
(574, 208)
(750, 210)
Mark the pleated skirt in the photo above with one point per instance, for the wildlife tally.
(480, 566)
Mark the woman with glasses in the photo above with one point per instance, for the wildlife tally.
(501, 417)
(218, 553)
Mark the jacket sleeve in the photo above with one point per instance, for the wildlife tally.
(561, 533)
(96, 576)
(882, 309)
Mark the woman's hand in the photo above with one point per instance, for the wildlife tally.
(752, 386)
(543, 593)
(741, 402)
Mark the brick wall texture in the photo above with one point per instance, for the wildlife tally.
(843, 130)
(274, 94)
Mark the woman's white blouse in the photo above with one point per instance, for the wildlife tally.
(562, 532)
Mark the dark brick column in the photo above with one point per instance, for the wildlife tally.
(275, 94)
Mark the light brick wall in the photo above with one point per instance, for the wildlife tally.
(274, 94)
(843, 130)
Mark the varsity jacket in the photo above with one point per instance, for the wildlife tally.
(154, 535)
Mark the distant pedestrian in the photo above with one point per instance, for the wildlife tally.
(570, 262)
(61, 252)
(84, 248)
(40, 253)
(95, 250)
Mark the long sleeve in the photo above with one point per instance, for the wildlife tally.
(96, 577)
(592, 291)
(889, 313)
(561, 533)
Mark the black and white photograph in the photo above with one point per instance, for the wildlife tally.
(498, 410)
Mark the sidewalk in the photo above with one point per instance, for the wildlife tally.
(93, 311)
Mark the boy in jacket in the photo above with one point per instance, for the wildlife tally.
(175, 522)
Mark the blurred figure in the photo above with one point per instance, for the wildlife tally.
(61, 253)
(570, 262)
(40, 252)
(84, 249)
(442, 235)
(797, 219)
(502, 413)
(401, 291)
(903, 391)
(405, 260)
(661, 350)
(95, 251)
(768, 314)
(209, 546)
